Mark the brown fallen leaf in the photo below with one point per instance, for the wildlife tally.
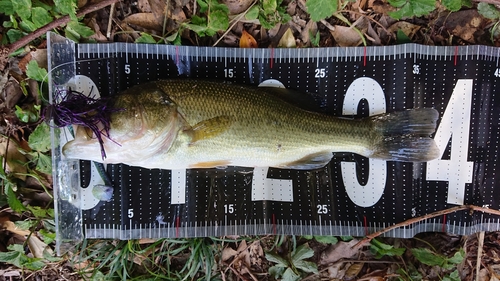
(10, 226)
(346, 36)
(144, 20)
(247, 40)
(178, 15)
(237, 6)
(408, 28)
(353, 271)
(287, 40)
(256, 254)
(143, 6)
(81, 3)
(37, 247)
(310, 29)
(11, 93)
(98, 35)
(159, 9)
(336, 271)
(495, 272)
(373, 34)
(468, 25)
(376, 275)
(4, 57)
(380, 7)
(10, 273)
(14, 159)
(341, 250)
(228, 253)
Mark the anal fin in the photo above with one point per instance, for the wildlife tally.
(310, 162)
(210, 164)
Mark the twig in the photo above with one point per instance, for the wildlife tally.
(480, 244)
(368, 238)
(494, 2)
(58, 22)
(343, 260)
(328, 25)
(110, 20)
(238, 274)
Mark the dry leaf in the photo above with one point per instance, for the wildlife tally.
(98, 35)
(353, 271)
(341, 250)
(346, 36)
(256, 254)
(37, 247)
(143, 6)
(144, 20)
(159, 9)
(373, 34)
(4, 57)
(15, 159)
(408, 28)
(380, 7)
(466, 24)
(337, 270)
(311, 28)
(228, 253)
(11, 94)
(287, 40)
(231, 39)
(247, 40)
(291, 8)
(237, 6)
(178, 15)
(495, 272)
(10, 226)
(10, 273)
(81, 3)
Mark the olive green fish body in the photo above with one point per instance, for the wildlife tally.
(175, 124)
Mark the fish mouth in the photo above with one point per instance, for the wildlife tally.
(83, 146)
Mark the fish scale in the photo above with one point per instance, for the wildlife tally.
(352, 195)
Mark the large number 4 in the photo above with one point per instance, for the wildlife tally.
(457, 171)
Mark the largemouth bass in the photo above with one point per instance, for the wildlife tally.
(177, 124)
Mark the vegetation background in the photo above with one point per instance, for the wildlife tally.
(27, 229)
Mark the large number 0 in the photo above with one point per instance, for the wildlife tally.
(457, 171)
(369, 194)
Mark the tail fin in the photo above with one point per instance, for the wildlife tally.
(406, 135)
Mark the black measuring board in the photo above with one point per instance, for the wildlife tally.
(350, 196)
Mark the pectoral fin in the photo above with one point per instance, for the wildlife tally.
(310, 162)
(210, 128)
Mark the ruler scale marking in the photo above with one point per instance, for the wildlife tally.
(350, 56)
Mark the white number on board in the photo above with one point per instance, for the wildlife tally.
(322, 209)
(369, 194)
(319, 73)
(228, 208)
(229, 73)
(457, 171)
